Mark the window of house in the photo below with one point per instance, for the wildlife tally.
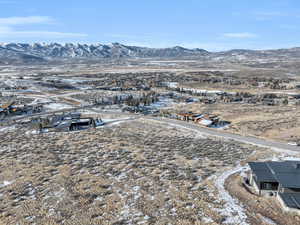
(269, 186)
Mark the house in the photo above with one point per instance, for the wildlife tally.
(197, 117)
(10, 109)
(205, 122)
(190, 99)
(67, 122)
(268, 102)
(82, 123)
(280, 179)
(72, 124)
(208, 101)
(185, 116)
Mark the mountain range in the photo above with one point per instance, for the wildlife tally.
(41, 52)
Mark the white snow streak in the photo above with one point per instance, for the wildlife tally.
(232, 210)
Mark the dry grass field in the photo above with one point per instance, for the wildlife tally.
(130, 173)
(270, 122)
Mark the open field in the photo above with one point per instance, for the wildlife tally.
(129, 173)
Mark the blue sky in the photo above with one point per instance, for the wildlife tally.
(209, 24)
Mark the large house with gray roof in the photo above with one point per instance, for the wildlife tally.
(280, 179)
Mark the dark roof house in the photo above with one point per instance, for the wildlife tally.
(281, 179)
(286, 173)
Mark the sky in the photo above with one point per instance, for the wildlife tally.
(213, 25)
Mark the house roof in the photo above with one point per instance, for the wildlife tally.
(262, 172)
(199, 116)
(291, 200)
(205, 122)
(287, 173)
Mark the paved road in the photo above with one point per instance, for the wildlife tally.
(189, 125)
(218, 133)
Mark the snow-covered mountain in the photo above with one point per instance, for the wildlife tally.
(115, 50)
(41, 52)
(9, 56)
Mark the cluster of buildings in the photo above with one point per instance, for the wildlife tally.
(278, 179)
(66, 122)
(145, 110)
(207, 120)
(11, 109)
(215, 96)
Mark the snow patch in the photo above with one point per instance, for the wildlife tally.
(232, 210)
(268, 220)
(6, 183)
(4, 129)
(57, 106)
(207, 220)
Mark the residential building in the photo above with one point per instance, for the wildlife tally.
(280, 179)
